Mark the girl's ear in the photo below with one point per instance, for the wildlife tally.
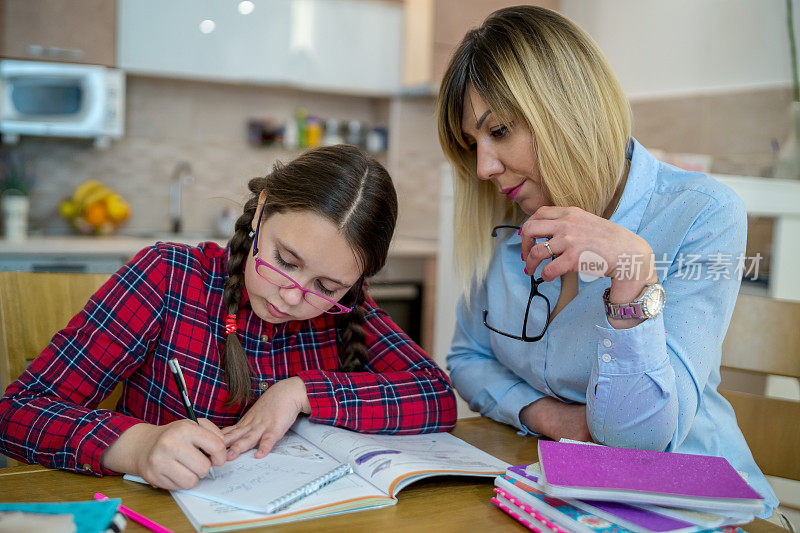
(261, 199)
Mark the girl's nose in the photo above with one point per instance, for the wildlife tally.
(292, 296)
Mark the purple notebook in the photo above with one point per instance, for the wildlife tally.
(581, 471)
(635, 517)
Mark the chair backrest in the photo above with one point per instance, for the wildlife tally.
(33, 307)
(764, 338)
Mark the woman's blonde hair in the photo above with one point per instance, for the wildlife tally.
(531, 64)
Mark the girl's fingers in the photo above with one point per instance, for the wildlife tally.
(233, 435)
(245, 442)
(209, 425)
(198, 462)
(177, 477)
(268, 440)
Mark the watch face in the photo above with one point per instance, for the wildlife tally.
(654, 300)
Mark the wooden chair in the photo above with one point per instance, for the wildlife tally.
(764, 338)
(33, 307)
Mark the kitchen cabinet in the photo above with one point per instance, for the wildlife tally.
(75, 31)
(337, 45)
(433, 29)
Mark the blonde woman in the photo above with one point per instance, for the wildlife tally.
(581, 316)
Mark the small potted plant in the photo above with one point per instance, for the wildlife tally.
(15, 188)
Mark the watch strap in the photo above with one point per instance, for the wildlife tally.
(634, 309)
(622, 311)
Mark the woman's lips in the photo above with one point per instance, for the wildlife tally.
(275, 312)
(512, 192)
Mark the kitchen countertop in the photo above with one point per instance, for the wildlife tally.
(127, 246)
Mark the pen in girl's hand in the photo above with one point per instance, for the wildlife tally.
(178, 375)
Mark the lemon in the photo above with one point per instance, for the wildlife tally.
(68, 209)
(117, 208)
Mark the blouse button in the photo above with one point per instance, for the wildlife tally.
(263, 385)
(606, 358)
(607, 343)
(264, 338)
(87, 467)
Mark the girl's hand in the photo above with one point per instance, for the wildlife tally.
(556, 420)
(268, 419)
(173, 456)
(583, 242)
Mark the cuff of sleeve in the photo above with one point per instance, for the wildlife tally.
(631, 351)
(95, 437)
(513, 400)
(320, 396)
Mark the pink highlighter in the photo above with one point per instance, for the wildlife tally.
(136, 517)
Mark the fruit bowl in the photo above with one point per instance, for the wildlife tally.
(95, 209)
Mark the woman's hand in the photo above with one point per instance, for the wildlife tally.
(173, 456)
(268, 419)
(585, 243)
(556, 420)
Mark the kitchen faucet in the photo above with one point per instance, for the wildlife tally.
(182, 174)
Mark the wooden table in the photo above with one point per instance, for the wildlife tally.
(440, 504)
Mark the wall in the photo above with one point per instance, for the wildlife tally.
(169, 121)
(686, 47)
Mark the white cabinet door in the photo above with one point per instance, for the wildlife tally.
(163, 37)
(347, 44)
(341, 45)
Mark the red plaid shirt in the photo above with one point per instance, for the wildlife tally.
(167, 303)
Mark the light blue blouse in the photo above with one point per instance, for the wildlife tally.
(653, 386)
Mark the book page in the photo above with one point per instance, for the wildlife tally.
(253, 484)
(350, 493)
(391, 462)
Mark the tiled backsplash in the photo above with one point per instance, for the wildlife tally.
(169, 121)
(736, 128)
(205, 124)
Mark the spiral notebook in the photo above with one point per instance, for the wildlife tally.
(264, 485)
(285, 476)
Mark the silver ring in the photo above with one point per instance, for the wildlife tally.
(547, 245)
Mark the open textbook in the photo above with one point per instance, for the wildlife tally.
(382, 465)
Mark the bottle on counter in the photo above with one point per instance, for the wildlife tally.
(314, 131)
(354, 133)
(332, 135)
(290, 134)
(377, 140)
(301, 116)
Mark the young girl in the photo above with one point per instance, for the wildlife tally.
(278, 324)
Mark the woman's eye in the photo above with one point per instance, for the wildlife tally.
(323, 289)
(281, 262)
(501, 131)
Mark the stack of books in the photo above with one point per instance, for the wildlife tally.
(581, 488)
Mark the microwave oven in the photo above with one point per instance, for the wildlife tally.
(61, 100)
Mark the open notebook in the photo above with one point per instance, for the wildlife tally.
(382, 466)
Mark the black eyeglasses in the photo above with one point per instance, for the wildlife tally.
(534, 293)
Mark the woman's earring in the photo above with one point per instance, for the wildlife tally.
(250, 235)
